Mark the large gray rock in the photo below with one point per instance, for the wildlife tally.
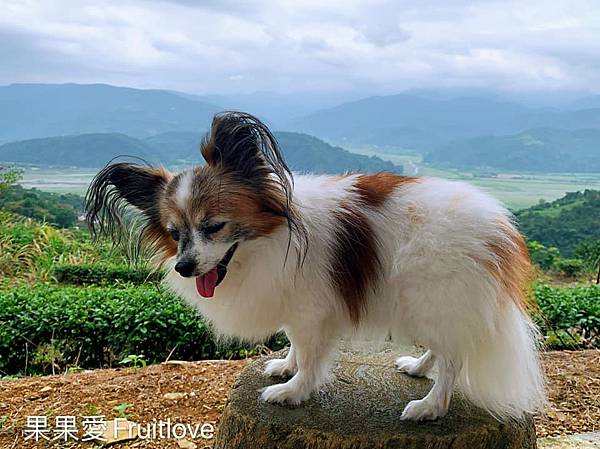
(360, 409)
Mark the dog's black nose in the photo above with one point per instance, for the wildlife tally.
(185, 268)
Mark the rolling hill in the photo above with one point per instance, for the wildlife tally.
(563, 223)
(303, 153)
(535, 150)
(86, 150)
(306, 153)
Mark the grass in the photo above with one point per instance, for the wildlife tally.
(516, 190)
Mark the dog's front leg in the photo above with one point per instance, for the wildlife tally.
(312, 346)
(283, 367)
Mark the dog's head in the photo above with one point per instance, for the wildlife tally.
(201, 216)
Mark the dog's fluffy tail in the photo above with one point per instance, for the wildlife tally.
(502, 373)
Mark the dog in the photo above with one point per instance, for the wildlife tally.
(419, 260)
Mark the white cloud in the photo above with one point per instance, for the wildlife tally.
(380, 46)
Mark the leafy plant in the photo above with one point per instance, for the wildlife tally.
(136, 361)
(121, 409)
(572, 312)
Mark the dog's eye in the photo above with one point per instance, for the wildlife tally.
(174, 234)
(214, 227)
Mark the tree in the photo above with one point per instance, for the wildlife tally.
(8, 176)
(589, 252)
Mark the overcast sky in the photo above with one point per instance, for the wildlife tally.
(303, 45)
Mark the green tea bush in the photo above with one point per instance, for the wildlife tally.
(569, 316)
(101, 273)
(53, 326)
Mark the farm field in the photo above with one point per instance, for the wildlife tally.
(58, 180)
(517, 190)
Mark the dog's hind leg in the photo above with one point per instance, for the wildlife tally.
(418, 367)
(437, 401)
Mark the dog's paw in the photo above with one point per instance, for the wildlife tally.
(410, 366)
(279, 368)
(422, 410)
(285, 392)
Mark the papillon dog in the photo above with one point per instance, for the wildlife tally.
(419, 260)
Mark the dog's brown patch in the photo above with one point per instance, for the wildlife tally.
(155, 235)
(216, 192)
(356, 265)
(512, 266)
(375, 189)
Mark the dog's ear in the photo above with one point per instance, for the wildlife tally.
(241, 143)
(118, 185)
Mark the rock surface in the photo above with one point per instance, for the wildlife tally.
(579, 441)
(360, 409)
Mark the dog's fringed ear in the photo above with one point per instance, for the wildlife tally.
(117, 186)
(242, 143)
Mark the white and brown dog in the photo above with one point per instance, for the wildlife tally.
(422, 260)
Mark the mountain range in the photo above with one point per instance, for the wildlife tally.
(455, 128)
(405, 121)
(303, 153)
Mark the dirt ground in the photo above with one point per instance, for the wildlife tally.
(195, 393)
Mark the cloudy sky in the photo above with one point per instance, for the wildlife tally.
(376, 46)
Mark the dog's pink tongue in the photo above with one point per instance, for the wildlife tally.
(206, 283)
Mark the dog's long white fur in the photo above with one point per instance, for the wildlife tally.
(436, 292)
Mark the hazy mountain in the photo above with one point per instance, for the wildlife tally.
(39, 110)
(588, 102)
(410, 121)
(429, 121)
(275, 108)
(423, 122)
(302, 152)
(541, 150)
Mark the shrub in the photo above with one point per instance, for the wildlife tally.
(569, 316)
(96, 326)
(570, 267)
(103, 274)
